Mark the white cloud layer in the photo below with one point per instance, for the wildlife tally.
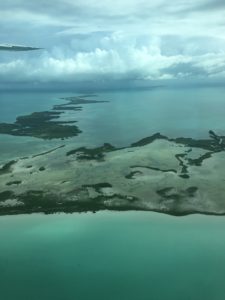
(117, 40)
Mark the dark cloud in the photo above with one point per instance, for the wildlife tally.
(204, 7)
(211, 5)
(182, 70)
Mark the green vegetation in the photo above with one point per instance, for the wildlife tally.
(40, 125)
(44, 125)
(132, 174)
(7, 167)
(98, 186)
(154, 169)
(6, 195)
(41, 201)
(95, 153)
(76, 100)
(170, 193)
(149, 140)
(16, 182)
(81, 197)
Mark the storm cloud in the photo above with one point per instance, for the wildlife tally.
(96, 41)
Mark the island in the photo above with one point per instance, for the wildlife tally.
(47, 124)
(176, 176)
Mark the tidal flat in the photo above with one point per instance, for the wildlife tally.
(157, 173)
(172, 175)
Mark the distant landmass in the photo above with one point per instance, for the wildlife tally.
(17, 48)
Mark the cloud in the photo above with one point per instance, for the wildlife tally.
(113, 40)
(210, 5)
(117, 57)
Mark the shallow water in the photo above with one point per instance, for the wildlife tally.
(128, 117)
(132, 255)
(114, 256)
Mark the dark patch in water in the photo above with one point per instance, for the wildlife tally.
(94, 153)
(7, 167)
(15, 182)
(43, 124)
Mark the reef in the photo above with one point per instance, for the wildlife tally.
(47, 124)
(173, 176)
(96, 153)
(76, 100)
(7, 167)
(40, 125)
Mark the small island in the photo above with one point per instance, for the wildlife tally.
(47, 124)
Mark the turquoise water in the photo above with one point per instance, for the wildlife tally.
(115, 256)
(132, 115)
(128, 117)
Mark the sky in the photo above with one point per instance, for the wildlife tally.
(112, 42)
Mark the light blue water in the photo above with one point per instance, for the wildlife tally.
(133, 115)
(128, 117)
(115, 256)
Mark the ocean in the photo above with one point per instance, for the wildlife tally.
(128, 116)
(108, 255)
(115, 256)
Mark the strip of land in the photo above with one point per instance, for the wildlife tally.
(47, 124)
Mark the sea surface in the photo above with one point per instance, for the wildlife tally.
(128, 117)
(114, 256)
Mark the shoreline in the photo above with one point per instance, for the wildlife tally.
(115, 210)
(106, 212)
